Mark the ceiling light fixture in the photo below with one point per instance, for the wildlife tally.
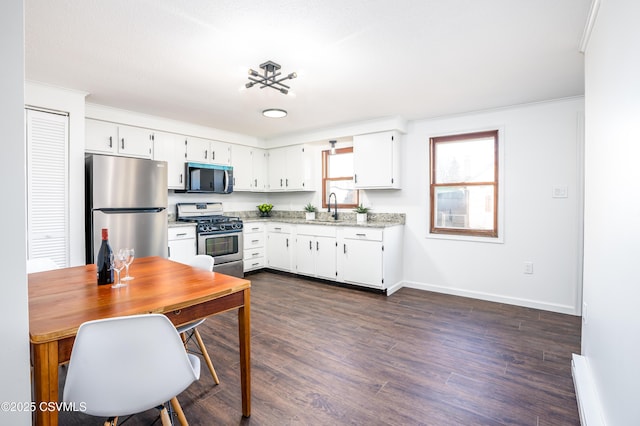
(274, 113)
(270, 78)
(333, 148)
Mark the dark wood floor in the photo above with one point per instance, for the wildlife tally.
(325, 355)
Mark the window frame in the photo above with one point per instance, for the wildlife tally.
(325, 164)
(493, 234)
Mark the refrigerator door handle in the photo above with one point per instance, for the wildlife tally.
(139, 210)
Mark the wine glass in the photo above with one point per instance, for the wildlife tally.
(117, 263)
(129, 255)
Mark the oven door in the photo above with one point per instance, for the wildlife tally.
(223, 247)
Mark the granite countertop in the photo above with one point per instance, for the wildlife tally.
(375, 220)
(177, 224)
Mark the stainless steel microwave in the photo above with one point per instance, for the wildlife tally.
(211, 178)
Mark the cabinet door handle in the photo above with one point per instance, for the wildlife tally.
(280, 183)
(287, 242)
(255, 254)
(317, 246)
(205, 154)
(277, 229)
(286, 182)
(182, 234)
(255, 183)
(310, 247)
(361, 235)
(355, 178)
(122, 143)
(110, 141)
(344, 248)
(255, 229)
(180, 177)
(255, 241)
(169, 251)
(255, 264)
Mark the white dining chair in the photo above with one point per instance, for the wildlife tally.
(126, 365)
(41, 264)
(190, 330)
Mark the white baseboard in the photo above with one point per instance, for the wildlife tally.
(586, 394)
(553, 307)
(392, 289)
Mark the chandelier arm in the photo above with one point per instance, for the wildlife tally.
(274, 86)
(283, 79)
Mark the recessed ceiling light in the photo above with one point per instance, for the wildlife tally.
(274, 113)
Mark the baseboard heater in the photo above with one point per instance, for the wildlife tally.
(586, 395)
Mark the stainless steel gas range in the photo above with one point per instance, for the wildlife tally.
(218, 235)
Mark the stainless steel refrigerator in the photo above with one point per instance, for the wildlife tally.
(128, 196)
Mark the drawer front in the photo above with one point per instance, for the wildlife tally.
(253, 240)
(362, 234)
(253, 253)
(283, 228)
(316, 230)
(181, 232)
(253, 227)
(252, 264)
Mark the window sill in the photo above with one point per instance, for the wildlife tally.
(469, 238)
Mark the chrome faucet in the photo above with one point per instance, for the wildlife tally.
(335, 199)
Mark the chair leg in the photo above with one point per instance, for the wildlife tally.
(164, 417)
(205, 354)
(178, 409)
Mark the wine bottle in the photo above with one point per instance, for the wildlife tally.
(103, 261)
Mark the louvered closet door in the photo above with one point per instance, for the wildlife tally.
(47, 186)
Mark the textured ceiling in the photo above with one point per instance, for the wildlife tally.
(356, 60)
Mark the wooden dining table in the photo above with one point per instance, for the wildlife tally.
(61, 300)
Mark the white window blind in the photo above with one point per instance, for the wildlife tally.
(47, 186)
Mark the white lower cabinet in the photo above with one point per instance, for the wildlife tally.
(182, 243)
(316, 251)
(280, 246)
(358, 255)
(254, 246)
(370, 257)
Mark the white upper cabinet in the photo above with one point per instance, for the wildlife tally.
(242, 168)
(290, 169)
(208, 151)
(259, 165)
(135, 142)
(171, 148)
(103, 137)
(249, 166)
(376, 160)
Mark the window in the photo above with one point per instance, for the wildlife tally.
(464, 184)
(337, 177)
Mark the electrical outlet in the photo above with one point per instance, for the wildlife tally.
(528, 268)
(559, 191)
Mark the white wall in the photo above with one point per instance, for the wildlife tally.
(72, 102)
(542, 148)
(14, 352)
(610, 335)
